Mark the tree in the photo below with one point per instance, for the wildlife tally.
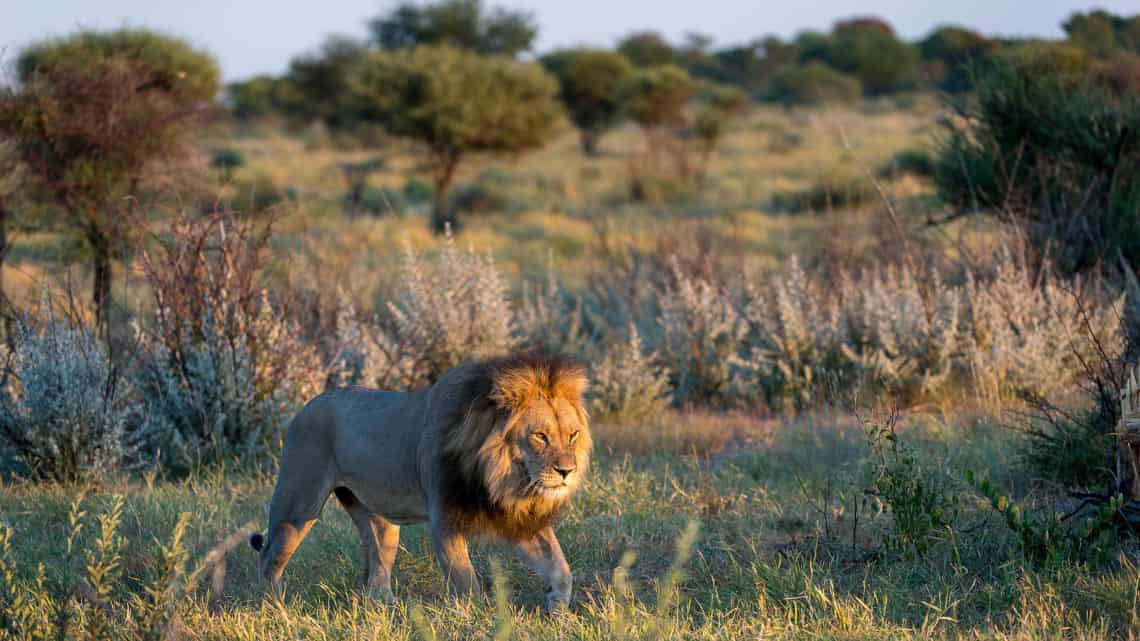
(952, 50)
(656, 98)
(456, 102)
(590, 83)
(718, 107)
(868, 49)
(1094, 31)
(647, 49)
(316, 85)
(258, 97)
(813, 83)
(92, 117)
(463, 24)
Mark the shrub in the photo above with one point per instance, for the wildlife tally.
(222, 368)
(226, 161)
(449, 310)
(627, 384)
(1028, 334)
(549, 319)
(1069, 174)
(923, 503)
(899, 336)
(824, 196)
(952, 50)
(479, 198)
(418, 191)
(813, 83)
(1046, 540)
(702, 336)
(1075, 450)
(914, 162)
(66, 414)
(794, 338)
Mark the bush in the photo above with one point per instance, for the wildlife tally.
(899, 336)
(1027, 334)
(1046, 539)
(814, 83)
(702, 334)
(478, 198)
(222, 368)
(824, 196)
(226, 161)
(923, 503)
(794, 338)
(448, 311)
(627, 384)
(1075, 450)
(912, 162)
(66, 414)
(1069, 175)
(418, 191)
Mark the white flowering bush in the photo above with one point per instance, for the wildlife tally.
(64, 412)
(794, 338)
(445, 311)
(549, 319)
(702, 334)
(1028, 334)
(898, 337)
(627, 383)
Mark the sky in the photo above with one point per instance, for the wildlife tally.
(250, 37)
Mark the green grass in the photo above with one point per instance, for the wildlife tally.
(780, 552)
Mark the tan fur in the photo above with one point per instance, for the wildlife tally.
(495, 448)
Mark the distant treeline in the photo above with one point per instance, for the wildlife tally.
(860, 56)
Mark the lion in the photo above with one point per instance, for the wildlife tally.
(495, 448)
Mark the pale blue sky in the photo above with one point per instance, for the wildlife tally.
(250, 37)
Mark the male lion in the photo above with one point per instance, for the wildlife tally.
(495, 448)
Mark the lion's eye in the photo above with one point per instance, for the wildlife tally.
(541, 438)
(574, 435)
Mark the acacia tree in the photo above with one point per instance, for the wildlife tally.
(92, 117)
(720, 105)
(464, 24)
(590, 83)
(457, 102)
(656, 98)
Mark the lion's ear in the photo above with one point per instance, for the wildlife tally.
(571, 384)
(511, 389)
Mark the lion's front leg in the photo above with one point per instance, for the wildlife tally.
(544, 555)
(451, 550)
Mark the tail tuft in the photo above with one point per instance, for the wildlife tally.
(256, 541)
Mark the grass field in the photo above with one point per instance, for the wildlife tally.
(786, 546)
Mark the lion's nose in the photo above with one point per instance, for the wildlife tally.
(565, 471)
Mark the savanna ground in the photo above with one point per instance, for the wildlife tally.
(692, 524)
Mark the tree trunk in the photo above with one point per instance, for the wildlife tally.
(1128, 448)
(442, 217)
(6, 311)
(589, 142)
(101, 283)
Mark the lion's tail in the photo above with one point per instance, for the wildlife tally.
(256, 541)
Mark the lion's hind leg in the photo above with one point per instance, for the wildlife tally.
(292, 513)
(380, 539)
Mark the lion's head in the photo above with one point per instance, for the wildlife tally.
(520, 443)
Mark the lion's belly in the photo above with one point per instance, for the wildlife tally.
(375, 453)
(396, 504)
